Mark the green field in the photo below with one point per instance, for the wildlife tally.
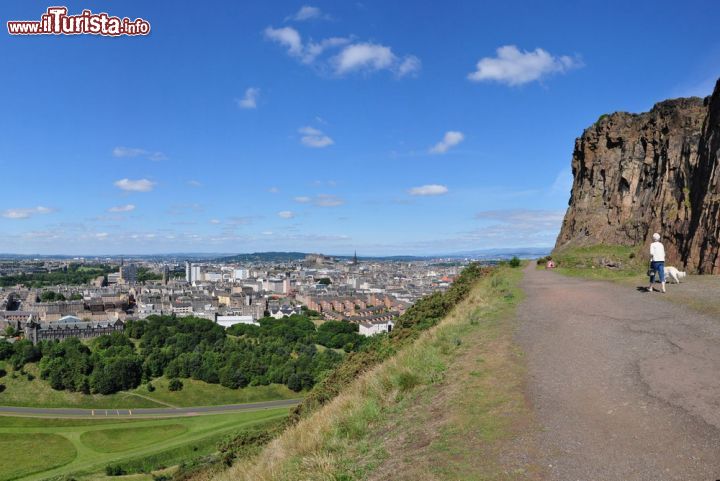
(38, 393)
(35, 449)
(48, 450)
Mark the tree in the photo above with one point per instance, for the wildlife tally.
(175, 385)
(515, 262)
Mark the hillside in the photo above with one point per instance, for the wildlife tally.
(451, 392)
(635, 174)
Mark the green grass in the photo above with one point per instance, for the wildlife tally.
(591, 262)
(121, 439)
(38, 393)
(139, 445)
(26, 453)
(199, 393)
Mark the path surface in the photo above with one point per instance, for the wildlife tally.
(147, 412)
(624, 385)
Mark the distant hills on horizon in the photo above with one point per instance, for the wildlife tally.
(282, 256)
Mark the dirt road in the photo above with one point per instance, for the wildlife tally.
(624, 385)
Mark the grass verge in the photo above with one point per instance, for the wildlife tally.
(608, 262)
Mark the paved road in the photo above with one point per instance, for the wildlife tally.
(625, 386)
(147, 412)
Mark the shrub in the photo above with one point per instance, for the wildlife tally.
(30, 377)
(515, 262)
(115, 470)
(150, 387)
(3, 372)
(175, 385)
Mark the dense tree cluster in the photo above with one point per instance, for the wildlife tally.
(111, 365)
(282, 351)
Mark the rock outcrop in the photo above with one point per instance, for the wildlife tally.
(635, 174)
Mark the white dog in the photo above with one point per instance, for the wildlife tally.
(674, 274)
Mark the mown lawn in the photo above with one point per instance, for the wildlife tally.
(27, 453)
(35, 449)
(199, 393)
(116, 440)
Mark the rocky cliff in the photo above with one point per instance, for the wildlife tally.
(635, 174)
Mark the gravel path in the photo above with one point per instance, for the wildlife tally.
(624, 385)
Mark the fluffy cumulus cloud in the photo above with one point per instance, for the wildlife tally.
(130, 152)
(450, 139)
(140, 185)
(288, 37)
(370, 57)
(122, 208)
(312, 137)
(26, 212)
(429, 189)
(286, 214)
(512, 66)
(308, 12)
(249, 101)
(349, 56)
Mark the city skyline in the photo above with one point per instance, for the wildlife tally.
(323, 127)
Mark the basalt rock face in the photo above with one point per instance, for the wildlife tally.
(636, 174)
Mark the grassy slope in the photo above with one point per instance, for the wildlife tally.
(38, 393)
(424, 413)
(169, 446)
(587, 262)
(15, 462)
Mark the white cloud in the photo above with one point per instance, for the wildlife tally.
(546, 218)
(430, 189)
(326, 200)
(249, 101)
(315, 49)
(312, 137)
(363, 56)
(288, 37)
(514, 67)
(194, 183)
(410, 65)
(130, 152)
(355, 57)
(303, 199)
(140, 185)
(122, 208)
(215, 221)
(308, 12)
(27, 212)
(451, 139)
(286, 214)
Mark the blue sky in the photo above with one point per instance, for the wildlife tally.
(418, 127)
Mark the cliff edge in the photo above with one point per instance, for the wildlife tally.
(635, 174)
